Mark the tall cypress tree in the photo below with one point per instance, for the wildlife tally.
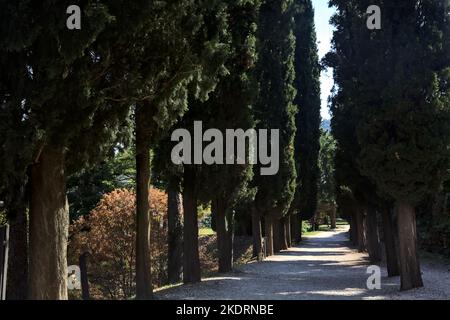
(308, 119)
(230, 107)
(188, 58)
(275, 109)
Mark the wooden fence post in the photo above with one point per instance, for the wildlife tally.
(83, 260)
(4, 245)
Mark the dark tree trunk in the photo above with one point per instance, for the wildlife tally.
(191, 259)
(287, 231)
(144, 289)
(410, 274)
(333, 217)
(295, 228)
(224, 236)
(257, 234)
(83, 261)
(49, 227)
(17, 281)
(268, 231)
(389, 243)
(373, 237)
(175, 236)
(278, 235)
(360, 234)
(353, 234)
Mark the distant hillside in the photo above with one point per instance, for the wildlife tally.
(325, 125)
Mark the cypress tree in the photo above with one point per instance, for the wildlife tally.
(354, 191)
(275, 109)
(230, 107)
(308, 119)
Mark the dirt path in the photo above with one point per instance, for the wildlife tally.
(323, 267)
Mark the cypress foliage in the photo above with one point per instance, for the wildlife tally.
(308, 119)
(393, 85)
(275, 109)
(404, 137)
(65, 89)
(54, 102)
(230, 107)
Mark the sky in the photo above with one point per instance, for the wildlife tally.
(324, 34)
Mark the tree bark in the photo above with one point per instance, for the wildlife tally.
(49, 227)
(373, 237)
(389, 243)
(257, 234)
(410, 274)
(300, 230)
(287, 231)
(333, 217)
(268, 230)
(360, 234)
(191, 259)
(295, 228)
(175, 236)
(224, 236)
(17, 281)
(83, 261)
(278, 235)
(353, 234)
(144, 289)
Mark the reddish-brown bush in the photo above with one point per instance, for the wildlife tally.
(108, 233)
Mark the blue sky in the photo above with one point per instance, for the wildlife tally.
(324, 34)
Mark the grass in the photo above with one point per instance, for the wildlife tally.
(205, 232)
(310, 233)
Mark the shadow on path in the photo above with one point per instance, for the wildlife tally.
(322, 267)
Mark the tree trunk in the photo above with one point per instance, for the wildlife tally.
(175, 236)
(49, 227)
(410, 274)
(257, 234)
(17, 281)
(144, 289)
(83, 261)
(389, 243)
(333, 217)
(360, 234)
(373, 237)
(224, 236)
(295, 228)
(268, 228)
(278, 235)
(287, 231)
(353, 230)
(191, 259)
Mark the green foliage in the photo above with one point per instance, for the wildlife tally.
(86, 187)
(405, 139)
(231, 104)
(55, 83)
(275, 108)
(326, 184)
(347, 58)
(308, 120)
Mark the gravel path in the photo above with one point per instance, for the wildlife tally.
(323, 267)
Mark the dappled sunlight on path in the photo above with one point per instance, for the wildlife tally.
(322, 267)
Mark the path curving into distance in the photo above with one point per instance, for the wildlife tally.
(322, 267)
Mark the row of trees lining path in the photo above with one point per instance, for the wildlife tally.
(70, 99)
